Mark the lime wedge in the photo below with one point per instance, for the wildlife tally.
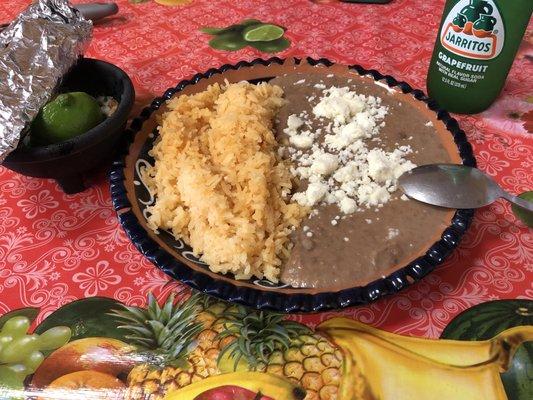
(272, 46)
(262, 33)
(525, 215)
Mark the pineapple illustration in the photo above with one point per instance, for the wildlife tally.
(187, 341)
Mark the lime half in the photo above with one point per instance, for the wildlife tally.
(525, 215)
(67, 116)
(262, 33)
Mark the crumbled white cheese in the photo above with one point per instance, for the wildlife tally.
(386, 167)
(299, 82)
(108, 105)
(339, 104)
(368, 221)
(429, 123)
(348, 205)
(314, 193)
(347, 173)
(342, 170)
(393, 232)
(384, 85)
(373, 194)
(301, 141)
(294, 122)
(324, 164)
(320, 86)
(309, 234)
(334, 222)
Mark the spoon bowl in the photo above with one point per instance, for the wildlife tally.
(454, 186)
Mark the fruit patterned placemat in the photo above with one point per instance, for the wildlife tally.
(57, 248)
(194, 347)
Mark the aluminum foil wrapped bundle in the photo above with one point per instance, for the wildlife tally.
(36, 50)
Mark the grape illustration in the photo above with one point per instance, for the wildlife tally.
(22, 353)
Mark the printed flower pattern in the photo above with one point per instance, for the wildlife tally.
(507, 115)
(491, 164)
(55, 248)
(38, 203)
(96, 279)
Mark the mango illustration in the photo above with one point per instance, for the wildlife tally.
(106, 355)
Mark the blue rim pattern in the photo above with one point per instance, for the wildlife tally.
(281, 301)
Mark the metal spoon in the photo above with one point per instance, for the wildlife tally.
(455, 186)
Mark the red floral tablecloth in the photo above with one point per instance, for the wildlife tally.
(55, 248)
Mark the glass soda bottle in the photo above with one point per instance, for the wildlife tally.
(474, 50)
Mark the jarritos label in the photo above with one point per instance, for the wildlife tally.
(474, 29)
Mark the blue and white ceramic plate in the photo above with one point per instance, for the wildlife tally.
(131, 197)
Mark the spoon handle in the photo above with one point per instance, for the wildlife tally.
(527, 205)
(95, 11)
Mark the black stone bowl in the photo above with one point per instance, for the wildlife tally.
(67, 161)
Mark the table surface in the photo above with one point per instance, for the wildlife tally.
(55, 248)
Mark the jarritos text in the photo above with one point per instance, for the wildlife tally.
(474, 29)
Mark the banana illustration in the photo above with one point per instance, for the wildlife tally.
(267, 384)
(404, 368)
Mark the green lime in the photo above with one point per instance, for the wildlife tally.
(229, 41)
(210, 30)
(522, 214)
(67, 116)
(262, 33)
(217, 31)
(272, 46)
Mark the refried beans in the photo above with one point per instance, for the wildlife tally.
(361, 247)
